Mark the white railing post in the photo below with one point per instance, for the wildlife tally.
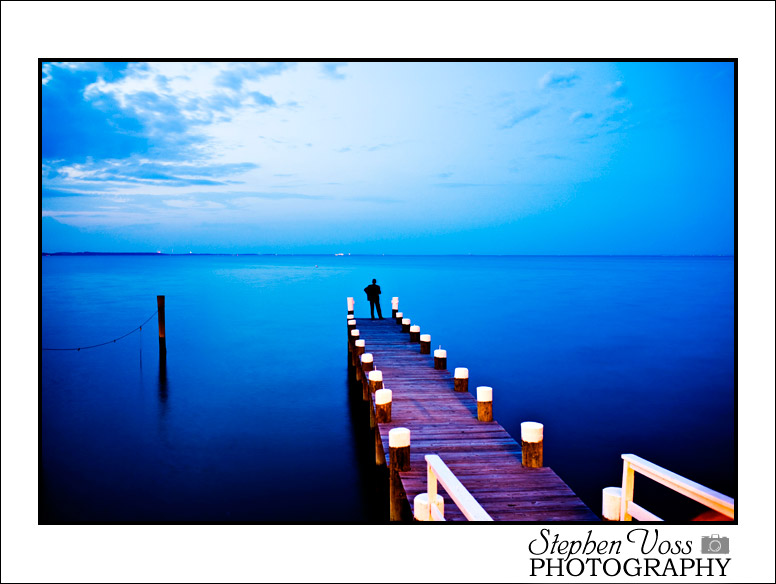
(431, 489)
(429, 506)
(627, 490)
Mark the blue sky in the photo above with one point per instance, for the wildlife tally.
(484, 158)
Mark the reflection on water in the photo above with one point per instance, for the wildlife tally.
(163, 385)
(162, 379)
(373, 480)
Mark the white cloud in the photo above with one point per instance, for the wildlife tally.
(433, 116)
(192, 204)
(552, 79)
(616, 89)
(580, 115)
(198, 92)
(46, 73)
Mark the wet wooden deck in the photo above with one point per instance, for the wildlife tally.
(482, 455)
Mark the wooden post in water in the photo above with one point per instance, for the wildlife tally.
(354, 334)
(414, 334)
(405, 325)
(372, 416)
(375, 381)
(440, 359)
(350, 346)
(367, 363)
(379, 452)
(383, 399)
(532, 435)
(398, 317)
(358, 350)
(352, 360)
(421, 510)
(162, 338)
(425, 344)
(351, 304)
(399, 456)
(485, 404)
(461, 379)
(394, 306)
(611, 503)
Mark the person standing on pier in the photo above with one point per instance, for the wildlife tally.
(373, 295)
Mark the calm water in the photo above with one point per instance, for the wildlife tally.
(252, 420)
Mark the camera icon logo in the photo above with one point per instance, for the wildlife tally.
(715, 544)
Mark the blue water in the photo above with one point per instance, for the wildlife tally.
(251, 420)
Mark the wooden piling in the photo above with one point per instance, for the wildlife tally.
(421, 509)
(351, 305)
(358, 350)
(399, 316)
(399, 457)
(485, 404)
(612, 496)
(425, 344)
(367, 363)
(394, 306)
(440, 359)
(383, 400)
(405, 325)
(350, 343)
(414, 334)
(532, 436)
(375, 381)
(461, 379)
(162, 337)
(379, 452)
(354, 336)
(399, 448)
(372, 415)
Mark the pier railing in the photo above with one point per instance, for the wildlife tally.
(618, 504)
(438, 471)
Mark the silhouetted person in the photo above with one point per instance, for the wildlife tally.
(373, 295)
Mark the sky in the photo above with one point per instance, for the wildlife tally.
(388, 157)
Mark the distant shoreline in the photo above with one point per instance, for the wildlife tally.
(151, 253)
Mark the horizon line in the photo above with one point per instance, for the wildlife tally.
(338, 254)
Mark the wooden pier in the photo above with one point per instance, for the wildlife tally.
(484, 459)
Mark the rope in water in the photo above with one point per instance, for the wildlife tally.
(137, 328)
